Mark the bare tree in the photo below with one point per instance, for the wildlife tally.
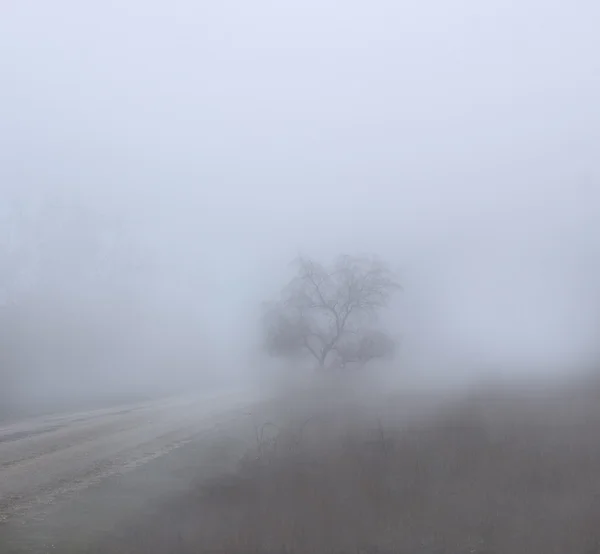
(328, 312)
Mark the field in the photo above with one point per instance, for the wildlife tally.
(512, 471)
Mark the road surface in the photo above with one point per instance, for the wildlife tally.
(72, 477)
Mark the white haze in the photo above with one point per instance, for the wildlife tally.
(457, 140)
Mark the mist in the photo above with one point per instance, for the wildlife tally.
(161, 165)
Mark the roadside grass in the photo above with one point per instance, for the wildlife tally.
(494, 473)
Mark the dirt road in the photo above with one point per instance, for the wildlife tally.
(67, 478)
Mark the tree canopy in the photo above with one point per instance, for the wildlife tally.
(329, 312)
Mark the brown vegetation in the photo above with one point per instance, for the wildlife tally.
(493, 473)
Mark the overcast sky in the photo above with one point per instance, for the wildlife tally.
(453, 138)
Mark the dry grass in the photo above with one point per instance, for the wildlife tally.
(504, 474)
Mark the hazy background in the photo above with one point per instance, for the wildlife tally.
(191, 149)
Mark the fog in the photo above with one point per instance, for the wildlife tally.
(162, 163)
